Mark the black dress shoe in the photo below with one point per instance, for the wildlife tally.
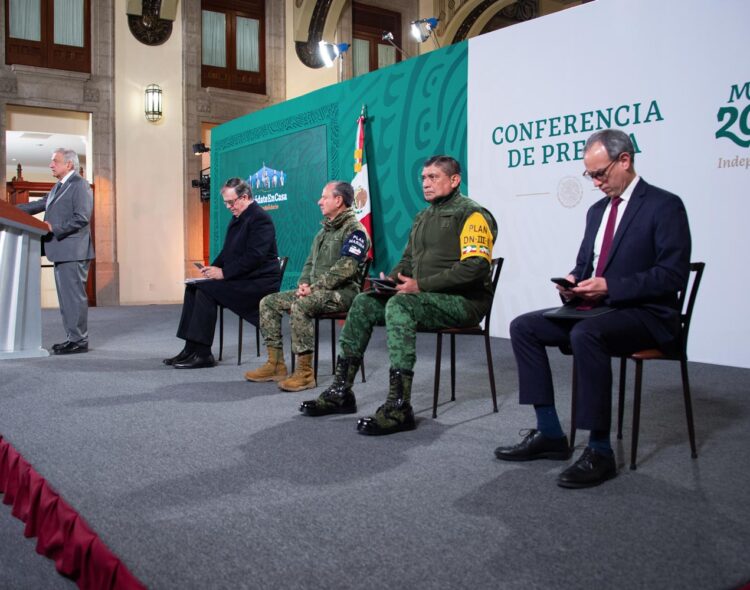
(535, 446)
(180, 356)
(591, 469)
(57, 347)
(196, 360)
(72, 348)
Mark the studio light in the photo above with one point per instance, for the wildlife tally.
(388, 36)
(200, 148)
(153, 102)
(330, 51)
(423, 28)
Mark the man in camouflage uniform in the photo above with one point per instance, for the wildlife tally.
(330, 280)
(443, 280)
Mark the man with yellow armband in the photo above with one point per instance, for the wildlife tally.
(442, 280)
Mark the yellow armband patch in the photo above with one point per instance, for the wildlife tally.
(476, 238)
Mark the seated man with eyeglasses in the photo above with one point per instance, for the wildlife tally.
(634, 259)
(443, 279)
(245, 271)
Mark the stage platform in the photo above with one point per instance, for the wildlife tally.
(198, 479)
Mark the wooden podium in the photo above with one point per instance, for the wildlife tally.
(20, 290)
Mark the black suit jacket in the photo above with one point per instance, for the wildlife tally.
(249, 260)
(649, 261)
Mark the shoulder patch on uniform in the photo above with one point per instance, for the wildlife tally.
(476, 238)
(355, 246)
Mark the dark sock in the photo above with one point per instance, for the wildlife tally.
(547, 421)
(599, 441)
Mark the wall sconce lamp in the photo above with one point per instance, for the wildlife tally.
(153, 103)
(423, 28)
(388, 36)
(200, 148)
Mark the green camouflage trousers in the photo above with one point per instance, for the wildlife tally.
(402, 315)
(301, 310)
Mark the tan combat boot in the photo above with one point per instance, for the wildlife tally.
(273, 370)
(303, 377)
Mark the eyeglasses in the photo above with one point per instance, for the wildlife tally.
(601, 175)
(230, 202)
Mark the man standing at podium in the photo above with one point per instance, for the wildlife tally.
(68, 245)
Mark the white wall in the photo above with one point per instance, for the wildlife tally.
(683, 65)
(149, 168)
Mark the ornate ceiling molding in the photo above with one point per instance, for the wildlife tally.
(467, 21)
(147, 26)
(168, 9)
(522, 10)
(471, 18)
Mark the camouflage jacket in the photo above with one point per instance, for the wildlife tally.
(338, 256)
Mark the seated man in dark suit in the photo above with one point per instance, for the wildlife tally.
(245, 271)
(634, 258)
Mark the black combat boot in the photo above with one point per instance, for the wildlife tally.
(395, 415)
(338, 398)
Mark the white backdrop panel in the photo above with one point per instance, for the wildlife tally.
(662, 70)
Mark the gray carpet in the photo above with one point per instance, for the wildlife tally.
(197, 479)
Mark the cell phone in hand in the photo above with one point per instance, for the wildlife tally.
(563, 282)
(198, 265)
(385, 284)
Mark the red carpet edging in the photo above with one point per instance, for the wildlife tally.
(62, 534)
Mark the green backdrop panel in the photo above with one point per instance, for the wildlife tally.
(286, 174)
(415, 109)
(296, 142)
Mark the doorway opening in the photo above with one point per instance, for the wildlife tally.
(31, 135)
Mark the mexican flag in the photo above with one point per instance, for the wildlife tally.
(361, 183)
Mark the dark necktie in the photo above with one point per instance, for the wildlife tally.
(53, 193)
(609, 233)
